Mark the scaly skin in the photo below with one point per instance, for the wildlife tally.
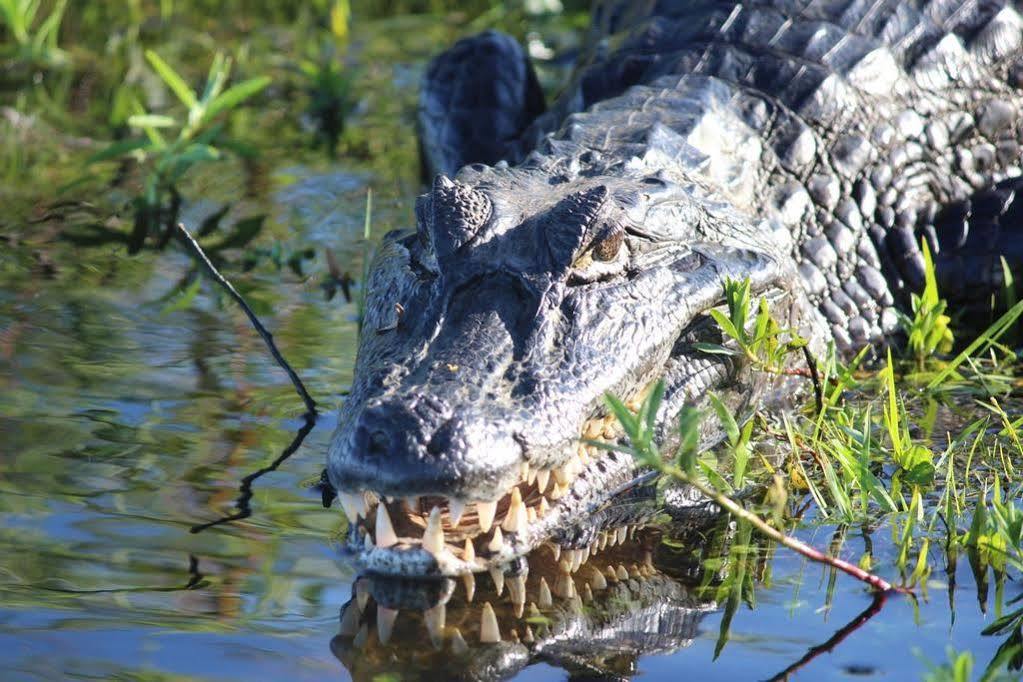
(804, 145)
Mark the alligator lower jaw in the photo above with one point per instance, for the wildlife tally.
(544, 589)
(434, 536)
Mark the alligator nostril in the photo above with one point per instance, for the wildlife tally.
(379, 443)
(446, 438)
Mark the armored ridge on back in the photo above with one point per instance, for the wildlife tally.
(805, 145)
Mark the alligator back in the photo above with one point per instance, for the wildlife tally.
(850, 122)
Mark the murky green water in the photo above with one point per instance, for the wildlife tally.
(125, 423)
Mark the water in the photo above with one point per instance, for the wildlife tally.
(124, 425)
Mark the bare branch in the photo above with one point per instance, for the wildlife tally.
(193, 245)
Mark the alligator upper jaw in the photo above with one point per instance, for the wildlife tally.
(440, 536)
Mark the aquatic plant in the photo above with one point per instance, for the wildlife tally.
(35, 43)
(927, 327)
(171, 146)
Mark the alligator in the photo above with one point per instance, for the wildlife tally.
(810, 146)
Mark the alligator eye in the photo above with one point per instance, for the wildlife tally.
(608, 246)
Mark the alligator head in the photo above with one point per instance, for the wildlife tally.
(492, 334)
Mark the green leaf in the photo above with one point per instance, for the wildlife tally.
(245, 230)
(184, 297)
(118, 149)
(689, 432)
(151, 121)
(235, 95)
(728, 422)
(726, 324)
(175, 82)
(715, 349)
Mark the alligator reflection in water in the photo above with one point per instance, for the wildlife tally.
(591, 612)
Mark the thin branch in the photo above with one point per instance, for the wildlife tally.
(798, 546)
(835, 639)
(245, 488)
(268, 339)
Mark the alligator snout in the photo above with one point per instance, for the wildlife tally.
(404, 446)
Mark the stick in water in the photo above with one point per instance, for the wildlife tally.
(268, 339)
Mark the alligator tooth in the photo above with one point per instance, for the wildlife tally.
(367, 542)
(489, 632)
(531, 514)
(389, 499)
(544, 599)
(350, 617)
(434, 618)
(622, 535)
(598, 581)
(635, 573)
(558, 491)
(455, 510)
(411, 503)
(496, 543)
(587, 593)
(648, 559)
(497, 575)
(602, 542)
(385, 623)
(584, 455)
(563, 474)
(353, 505)
(385, 536)
(485, 511)
(517, 588)
(570, 559)
(531, 476)
(534, 612)
(578, 560)
(543, 477)
(621, 572)
(433, 536)
(556, 550)
(610, 431)
(469, 553)
(514, 636)
(458, 645)
(542, 508)
(470, 586)
(361, 637)
(594, 428)
(612, 577)
(515, 520)
(586, 555)
(528, 636)
(524, 471)
(564, 587)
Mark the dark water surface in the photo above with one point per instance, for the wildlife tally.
(124, 424)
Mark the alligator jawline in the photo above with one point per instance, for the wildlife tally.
(425, 536)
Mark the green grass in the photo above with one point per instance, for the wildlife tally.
(863, 458)
(171, 145)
